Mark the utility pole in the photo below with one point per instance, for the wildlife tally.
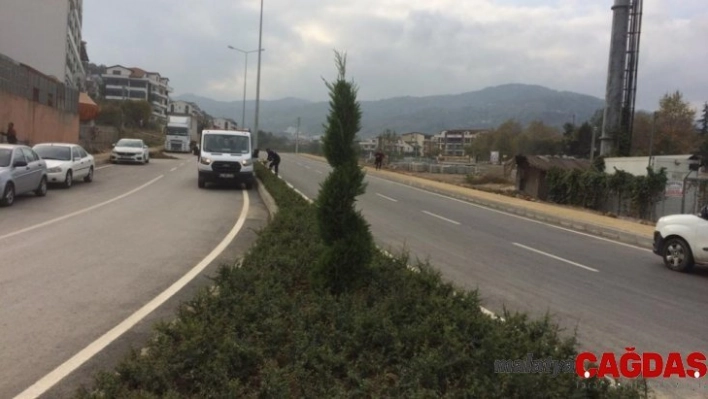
(651, 138)
(258, 79)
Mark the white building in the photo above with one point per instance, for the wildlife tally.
(46, 35)
(185, 108)
(122, 83)
(225, 124)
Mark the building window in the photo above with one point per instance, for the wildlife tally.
(116, 72)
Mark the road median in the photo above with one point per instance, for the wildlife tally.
(624, 231)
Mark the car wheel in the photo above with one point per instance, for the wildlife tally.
(89, 176)
(41, 191)
(201, 183)
(249, 185)
(677, 255)
(147, 158)
(8, 195)
(69, 179)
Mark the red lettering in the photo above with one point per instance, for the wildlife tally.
(674, 366)
(608, 366)
(647, 370)
(580, 365)
(696, 361)
(631, 364)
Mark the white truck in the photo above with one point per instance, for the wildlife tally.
(226, 156)
(180, 133)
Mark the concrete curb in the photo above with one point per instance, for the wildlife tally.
(625, 237)
(267, 199)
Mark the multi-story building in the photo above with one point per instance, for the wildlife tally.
(225, 124)
(452, 143)
(122, 83)
(46, 35)
(185, 108)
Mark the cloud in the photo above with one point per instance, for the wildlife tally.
(397, 47)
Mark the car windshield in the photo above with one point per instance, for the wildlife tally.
(53, 152)
(177, 131)
(130, 143)
(5, 156)
(226, 143)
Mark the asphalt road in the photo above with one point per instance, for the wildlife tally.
(76, 263)
(616, 295)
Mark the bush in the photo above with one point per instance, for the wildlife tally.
(592, 188)
(486, 179)
(262, 331)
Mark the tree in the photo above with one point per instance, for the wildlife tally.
(641, 137)
(349, 244)
(703, 122)
(675, 132)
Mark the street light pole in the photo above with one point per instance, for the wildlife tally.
(258, 79)
(245, 77)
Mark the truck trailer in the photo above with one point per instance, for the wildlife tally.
(180, 133)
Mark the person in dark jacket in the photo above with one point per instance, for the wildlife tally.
(11, 133)
(274, 160)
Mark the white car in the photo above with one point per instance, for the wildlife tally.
(130, 150)
(66, 162)
(682, 240)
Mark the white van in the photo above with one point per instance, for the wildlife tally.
(225, 156)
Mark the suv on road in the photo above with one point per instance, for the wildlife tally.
(682, 240)
(225, 156)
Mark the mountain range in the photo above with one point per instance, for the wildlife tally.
(481, 109)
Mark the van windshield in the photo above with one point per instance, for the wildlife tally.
(227, 144)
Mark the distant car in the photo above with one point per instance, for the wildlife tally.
(21, 171)
(682, 240)
(66, 162)
(130, 150)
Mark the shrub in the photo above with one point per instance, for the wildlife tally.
(486, 179)
(262, 331)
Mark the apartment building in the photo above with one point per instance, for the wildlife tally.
(45, 35)
(185, 108)
(225, 124)
(453, 142)
(123, 83)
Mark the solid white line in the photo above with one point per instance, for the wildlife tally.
(173, 169)
(388, 198)
(104, 167)
(319, 171)
(441, 218)
(48, 381)
(556, 257)
(308, 167)
(59, 219)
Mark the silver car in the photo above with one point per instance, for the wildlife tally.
(21, 171)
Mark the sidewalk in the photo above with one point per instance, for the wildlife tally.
(625, 231)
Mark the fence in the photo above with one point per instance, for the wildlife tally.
(28, 83)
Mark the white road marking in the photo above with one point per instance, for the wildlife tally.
(70, 215)
(441, 218)
(173, 169)
(319, 171)
(48, 381)
(388, 198)
(104, 167)
(308, 167)
(556, 257)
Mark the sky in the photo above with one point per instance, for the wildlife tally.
(397, 47)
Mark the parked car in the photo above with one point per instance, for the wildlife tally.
(130, 150)
(66, 162)
(21, 171)
(682, 240)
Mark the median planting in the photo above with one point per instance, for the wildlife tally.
(302, 315)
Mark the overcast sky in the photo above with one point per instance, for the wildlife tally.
(397, 47)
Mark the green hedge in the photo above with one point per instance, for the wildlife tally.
(262, 331)
(592, 188)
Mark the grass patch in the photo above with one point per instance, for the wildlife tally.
(263, 331)
(486, 179)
